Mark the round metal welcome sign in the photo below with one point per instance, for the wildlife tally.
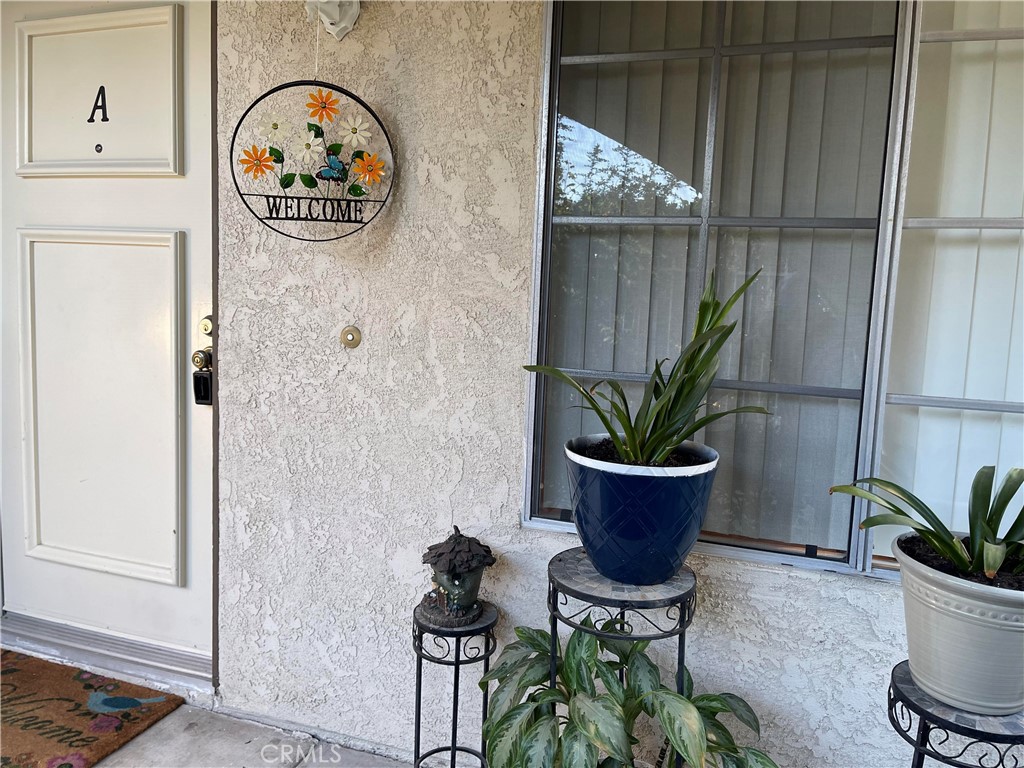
(312, 161)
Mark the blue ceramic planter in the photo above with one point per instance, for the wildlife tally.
(638, 524)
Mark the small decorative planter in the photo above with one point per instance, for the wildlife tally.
(638, 523)
(458, 563)
(966, 640)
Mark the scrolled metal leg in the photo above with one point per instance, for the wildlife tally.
(455, 699)
(923, 729)
(681, 668)
(417, 639)
(553, 610)
(487, 666)
(622, 621)
(681, 664)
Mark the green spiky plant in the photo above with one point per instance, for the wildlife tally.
(667, 414)
(587, 720)
(984, 551)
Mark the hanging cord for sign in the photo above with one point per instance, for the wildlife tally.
(316, 57)
(316, 24)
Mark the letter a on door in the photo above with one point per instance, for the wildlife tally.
(99, 105)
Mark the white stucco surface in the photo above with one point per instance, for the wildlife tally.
(338, 467)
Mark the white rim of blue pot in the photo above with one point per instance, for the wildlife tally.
(629, 469)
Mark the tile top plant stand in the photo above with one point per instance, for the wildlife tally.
(672, 603)
(572, 575)
(949, 735)
(454, 647)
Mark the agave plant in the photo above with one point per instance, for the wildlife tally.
(667, 414)
(603, 686)
(984, 551)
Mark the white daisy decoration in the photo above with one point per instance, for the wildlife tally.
(274, 128)
(353, 131)
(308, 148)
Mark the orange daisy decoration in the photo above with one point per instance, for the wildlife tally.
(368, 168)
(256, 161)
(322, 104)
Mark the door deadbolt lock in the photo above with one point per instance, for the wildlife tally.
(206, 325)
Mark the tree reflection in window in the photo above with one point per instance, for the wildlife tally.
(598, 176)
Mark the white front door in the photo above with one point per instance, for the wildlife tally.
(107, 516)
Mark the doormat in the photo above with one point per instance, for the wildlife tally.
(54, 716)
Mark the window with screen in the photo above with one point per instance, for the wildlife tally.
(690, 137)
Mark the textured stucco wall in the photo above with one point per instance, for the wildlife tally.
(337, 467)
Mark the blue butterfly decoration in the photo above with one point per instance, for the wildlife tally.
(334, 170)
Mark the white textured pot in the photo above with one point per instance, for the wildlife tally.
(966, 640)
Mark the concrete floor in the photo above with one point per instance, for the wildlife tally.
(191, 737)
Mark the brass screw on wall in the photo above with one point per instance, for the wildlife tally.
(351, 336)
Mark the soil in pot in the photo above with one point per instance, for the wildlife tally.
(605, 451)
(917, 548)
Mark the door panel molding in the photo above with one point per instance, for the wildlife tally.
(164, 156)
(166, 553)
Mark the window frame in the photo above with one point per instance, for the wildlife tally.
(889, 226)
(898, 156)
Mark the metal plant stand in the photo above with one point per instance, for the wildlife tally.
(571, 574)
(949, 735)
(454, 647)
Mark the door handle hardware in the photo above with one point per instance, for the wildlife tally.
(203, 359)
(206, 325)
(202, 377)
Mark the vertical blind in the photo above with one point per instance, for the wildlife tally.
(958, 327)
(800, 105)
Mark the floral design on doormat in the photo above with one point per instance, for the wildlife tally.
(55, 716)
(72, 760)
(312, 161)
